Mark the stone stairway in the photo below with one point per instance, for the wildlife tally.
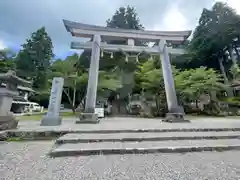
(72, 144)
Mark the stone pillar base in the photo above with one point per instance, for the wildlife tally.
(8, 122)
(51, 121)
(88, 118)
(175, 118)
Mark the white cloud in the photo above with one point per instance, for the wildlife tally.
(173, 20)
(2, 45)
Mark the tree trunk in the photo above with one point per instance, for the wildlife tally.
(196, 103)
(220, 60)
(230, 51)
(74, 96)
(236, 50)
(226, 81)
(69, 100)
(81, 100)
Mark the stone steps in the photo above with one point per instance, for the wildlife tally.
(144, 142)
(145, 136)
(179, 146)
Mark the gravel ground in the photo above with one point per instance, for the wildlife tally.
(28, 160)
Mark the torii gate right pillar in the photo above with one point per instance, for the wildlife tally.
(175, 112)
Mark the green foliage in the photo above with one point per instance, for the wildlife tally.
(151, 78)
(235, 71)
(125, 18)
(76, 79)
(41, 97)
(190, 84)
(66, 69)
(216, 31)
(108, 81)
(35, 57)
(195, 82)
(232, 100)
(7, 60)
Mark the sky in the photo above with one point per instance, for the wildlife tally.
(19, 18)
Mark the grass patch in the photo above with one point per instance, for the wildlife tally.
(14, 139)
(200, 117)
(21, 139)
(38, 116)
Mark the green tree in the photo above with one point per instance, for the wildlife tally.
(235, 72)
(35, 58)
(193, 83)
(150, 80)
(66, 69)
(214, 38)
(190, 84)
(126, 18)
(7, 60)
(76, 79)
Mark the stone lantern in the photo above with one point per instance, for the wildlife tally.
(7, 120)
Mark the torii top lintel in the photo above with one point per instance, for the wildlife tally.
(86, 30)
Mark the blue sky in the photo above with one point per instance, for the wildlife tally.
(19, 18)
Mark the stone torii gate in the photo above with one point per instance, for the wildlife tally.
(102, 34)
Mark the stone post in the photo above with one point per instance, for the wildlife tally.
(52, 117)
(89, 115)
(175, 111)
(7, 120)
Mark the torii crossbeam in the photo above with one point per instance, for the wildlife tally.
(103, 34)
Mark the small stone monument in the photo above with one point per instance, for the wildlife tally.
(52, 117)
(7, 93)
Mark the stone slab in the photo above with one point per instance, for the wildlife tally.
(3, 135)
(8, 122)
(180, 146)
(52, 117)
(175, 118)
(145, 136)
(51, 121)
(88, 118)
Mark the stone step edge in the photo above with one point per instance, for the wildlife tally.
(4, 135)
(143, 150)
(194, 129)
(173, 138)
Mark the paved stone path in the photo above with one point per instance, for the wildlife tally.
(28, 161)
(119, 123)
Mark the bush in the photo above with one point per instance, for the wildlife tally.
(42, 98)
(232, 101)
(146, 115)
(212, 109)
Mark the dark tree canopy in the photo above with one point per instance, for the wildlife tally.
(215, 32)
(7, 60)
(125, 18)
(35, 58)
